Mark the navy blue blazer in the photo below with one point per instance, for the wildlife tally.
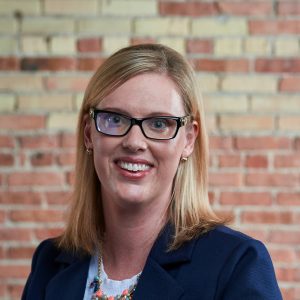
(222, 264)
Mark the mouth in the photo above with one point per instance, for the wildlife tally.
(134, 166)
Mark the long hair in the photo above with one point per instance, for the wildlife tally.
(190, 211)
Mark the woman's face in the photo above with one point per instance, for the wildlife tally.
(143, 96)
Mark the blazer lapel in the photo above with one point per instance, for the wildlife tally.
(70, 283)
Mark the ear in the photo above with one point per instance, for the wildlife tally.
(87, 132)
(191, 132)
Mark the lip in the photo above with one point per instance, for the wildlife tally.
(130, 174)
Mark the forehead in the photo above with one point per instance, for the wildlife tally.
(146, 94)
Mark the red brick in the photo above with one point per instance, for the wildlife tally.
(6, 142)
(246, 198)
(287, 161)
(58, 198)
(229, 161)
(89, 45)
(22, 122)
(36, 179)
(187, 9)
(39, 142)
(290, 293)
(71, 178)
(6, 159)
(256, 161)
(14, 271)
(274, 27)
(89, 63)
(2, 216)
(289, 84)
(42, 159)
(62, 83)
(20, 252)
(267, 179)
(15, 234)
(267, 217)
(68, 140)
(220, 142)
(243, 8)
(9, 64)
(44, 233)
(37, 216)
(200, 46)
(48, 64)
(283, 237)
(258, 234)
(225, 179)
(24, 198)
(142, 40)
(221, 65)
(285, 255)
(277, 65)
(67, 159)
(288, 198)
(288, 8)
(15, 290)
(288, 274)
(297, 144)
(262, 143)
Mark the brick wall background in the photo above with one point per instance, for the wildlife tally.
(246, 54)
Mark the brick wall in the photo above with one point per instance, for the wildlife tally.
(246, 54)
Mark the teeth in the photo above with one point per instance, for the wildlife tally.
(133, 167)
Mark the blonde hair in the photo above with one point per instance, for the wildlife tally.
(190, 210)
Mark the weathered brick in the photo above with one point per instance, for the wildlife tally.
(36, 179)
(12, 82)
(288, 8)
(112, 44)
(221, 65)
(220, 142)
(228, 47)
(257, 8)
(129, 8)
(192, 9)
(41, 159)
(208, 82)
(71, 8)
(48, 102)
(142, 40)
(267, 217)
(277, 65)
(89, 63)
(6, 159)
(24, 198)
(66, 159)
(34, 45)
(200, 46)
(257, 46)
(225, 179)
(20, 252)
(104, 26)
(8, 45)
(262, 143)
(246, 198)
(7, 102)
(48, 64)
(9, 64)
(272, 179)
(8, 26)
(229, 161)
(258, 84)
(162, 26)
(63, 45)
(256, 161)
(222, 103)
(67, 83)
(6, 141)
(289, 198)
(287, 161)
(15, 234)
(287, 47)
(290, 123)
(47, 26)
(58, 198)
(78, 101)
(246, 122)
(211, 123)
(219, 27)
(290, 84)
(22, 122)
(176, 43)
(14, 271)
(62, 121)
(89, 45)
(44, 216)
(26, 7)
(274, 26)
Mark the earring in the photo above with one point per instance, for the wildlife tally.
(89, 151)
(184, 159)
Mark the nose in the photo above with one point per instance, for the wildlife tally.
(135, 140)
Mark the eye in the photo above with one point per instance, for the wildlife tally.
(159, 124)
(111, 120)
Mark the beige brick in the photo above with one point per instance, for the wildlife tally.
(276, 103)
(211, 123)
(129, 7)
(35, 45)
(62, 121)
(27, 7)
(291, 123)
(7, 102)
(228, 47)
(219, 27)
(221, 103)
(8, 46)
(21, 83)
(177, 44)
(208, 83)
(112, 44)
(78, 101)
(74, 7)
(287, 47)
(246, 122)
(63, 45)
(8, 25)
(162, 26)
(45, 102)
(239, 83)
(48, 25)
(105, 26)
(257, 46)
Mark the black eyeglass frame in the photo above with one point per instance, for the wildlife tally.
(180, 122)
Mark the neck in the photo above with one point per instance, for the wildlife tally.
(129, 238)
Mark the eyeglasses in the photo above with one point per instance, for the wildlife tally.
(155, 128)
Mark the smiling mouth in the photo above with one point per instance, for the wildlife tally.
(133, 167)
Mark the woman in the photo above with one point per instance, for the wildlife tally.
(140, 225)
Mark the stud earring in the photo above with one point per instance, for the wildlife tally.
(89, 151)
(184, 159)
